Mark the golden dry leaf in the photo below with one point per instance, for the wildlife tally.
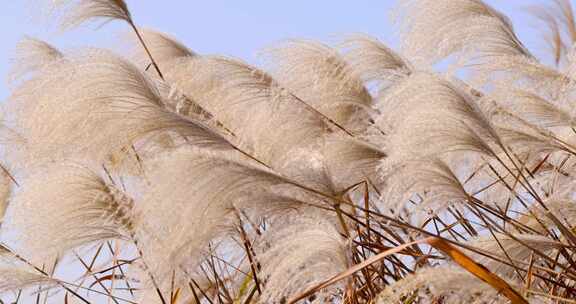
(477, 270)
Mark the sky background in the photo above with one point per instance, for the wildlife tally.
(229, 27)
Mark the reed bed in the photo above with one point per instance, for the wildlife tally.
(436, 172)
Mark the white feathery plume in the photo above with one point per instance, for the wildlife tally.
(562, 208)
(517, 247)
(426, 116)
(319, 75)
(279, 123)
(147, 292)
(76, 12)
(16, 275)
(483, 36)
(175, 100)
(534, 108)
(379, 66)
(437, 187)
(263, 116)
(531, 140)
(66, 206)
(559, 29)
(190, 89)
(164, 49)
(351, 161)
(552, 33)
(191, 83)
(31, 55)
(435, 29)
(252, 91)
(304, 250)
(189, 202)
(15, 279)
(198, 79)
(525, 72)
(570, 68)
(6, 183)
(178, 102)
(451, 284)
(308, 166)
(374, 61)
(559, 202)
(92, 106)
(150, 295)
(524, 137)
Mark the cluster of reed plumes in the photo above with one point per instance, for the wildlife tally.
(349, 173)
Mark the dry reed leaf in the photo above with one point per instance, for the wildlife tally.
(478, 270)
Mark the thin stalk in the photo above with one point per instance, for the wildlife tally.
(141, 39)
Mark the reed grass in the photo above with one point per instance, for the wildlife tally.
(350, 173)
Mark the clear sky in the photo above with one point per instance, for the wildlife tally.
(229, 27)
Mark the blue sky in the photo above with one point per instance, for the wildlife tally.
(229, 27)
